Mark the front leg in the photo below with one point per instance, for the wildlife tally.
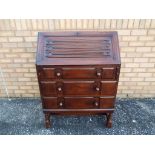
(109, 120)
(47, 120)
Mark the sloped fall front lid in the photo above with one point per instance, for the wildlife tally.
(77, 48)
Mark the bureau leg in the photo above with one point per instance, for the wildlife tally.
(109, 120)
(47, 120)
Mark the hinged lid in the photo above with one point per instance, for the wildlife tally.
(77, 48)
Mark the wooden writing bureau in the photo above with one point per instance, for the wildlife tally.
(78, 73)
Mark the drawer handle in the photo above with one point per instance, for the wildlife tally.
(60, 104)
(98, 74)
(97, 89)
(96, 104)
(58, 74)
(59, 89)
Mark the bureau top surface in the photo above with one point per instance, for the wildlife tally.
(77, 48)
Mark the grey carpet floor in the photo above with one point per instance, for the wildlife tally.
(23, 116)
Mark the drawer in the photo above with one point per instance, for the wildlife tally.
(70, 103)
(77, 73)
(69, 73)
(108, 88)
(80, 88)
(69, 88)
(107, 102)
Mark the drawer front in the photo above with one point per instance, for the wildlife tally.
(77, 73)
(48, 88)
(108, 88)
(70, 103)
(77, 88)
(109, 73)
(80, 88)
(107, 102)
(80, 73)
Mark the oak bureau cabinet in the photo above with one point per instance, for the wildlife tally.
(78, 73)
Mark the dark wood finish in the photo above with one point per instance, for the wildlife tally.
(81, 103)
(78, 73)
(47, 120)
(50, 102)
(108, 88)
(107, 102)
(48, 73)
(80, 88)
(109, 73)
(71, 102)
(48, 88)
(109, 120)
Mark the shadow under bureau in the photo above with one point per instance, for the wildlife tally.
(78, 73)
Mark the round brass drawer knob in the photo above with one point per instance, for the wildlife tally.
(97, 89)
(60, 104)
(96, 104)
(98, 74)
(59, 89)
(58, 74)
